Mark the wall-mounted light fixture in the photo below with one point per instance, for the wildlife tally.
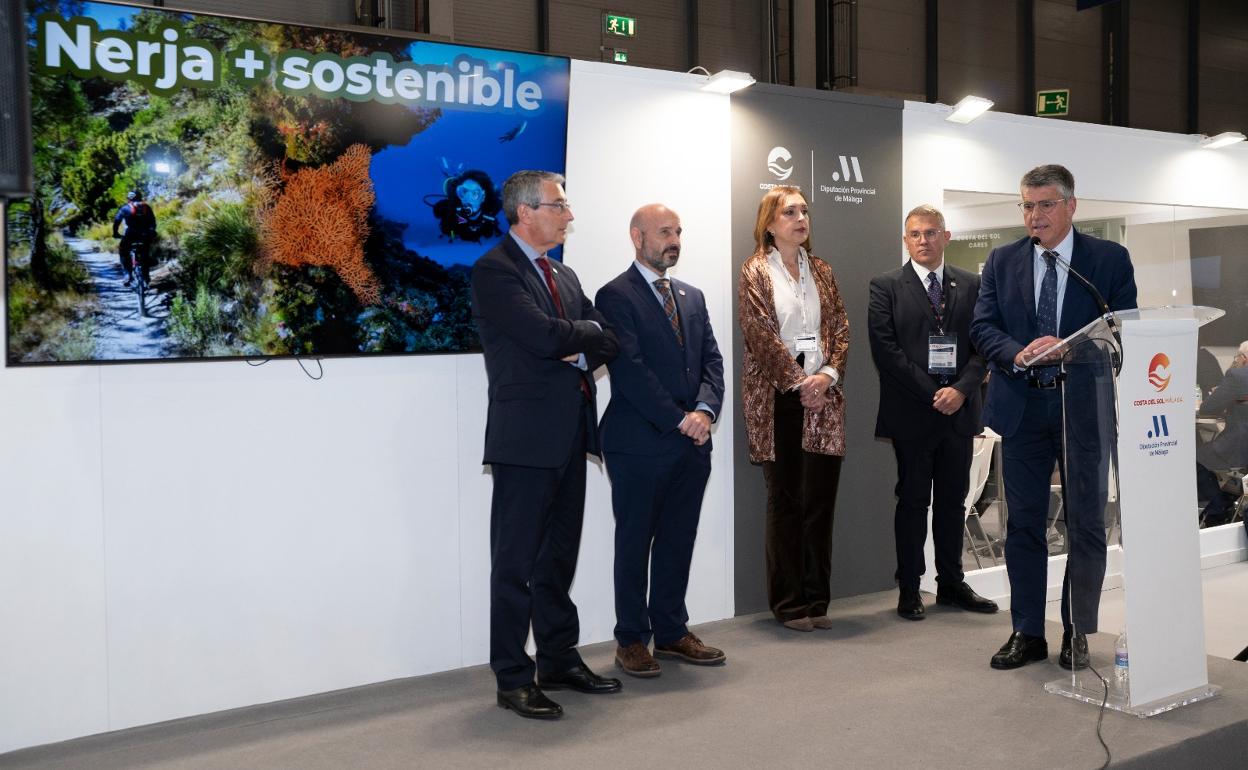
(725, 81)
(1224, 139)
(968, 109)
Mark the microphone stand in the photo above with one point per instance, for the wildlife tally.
(1106, 313)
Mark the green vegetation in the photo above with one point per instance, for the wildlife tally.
(48, 319)
(225, 156)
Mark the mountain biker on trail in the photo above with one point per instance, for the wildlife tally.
(140, 231)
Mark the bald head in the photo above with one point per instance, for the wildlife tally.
(655, 230)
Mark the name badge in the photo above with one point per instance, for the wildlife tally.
(942, 354)
(807, 343)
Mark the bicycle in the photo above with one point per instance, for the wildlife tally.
(140, 252)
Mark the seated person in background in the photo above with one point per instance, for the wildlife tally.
(1208, 371)
(1229, 449)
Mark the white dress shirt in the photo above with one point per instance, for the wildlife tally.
(798, 311)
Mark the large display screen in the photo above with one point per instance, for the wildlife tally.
(212, 187)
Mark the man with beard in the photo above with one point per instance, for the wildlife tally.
(667, 387)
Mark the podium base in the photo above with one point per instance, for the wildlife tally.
(1087, 687)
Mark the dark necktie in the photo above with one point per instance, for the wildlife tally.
(1046, 310)
(544, 264)
(669, 307)
(935, 295)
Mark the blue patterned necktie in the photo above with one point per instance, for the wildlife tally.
(1046, 311)
(935, 295)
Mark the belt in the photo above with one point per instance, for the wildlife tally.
(1038, 385)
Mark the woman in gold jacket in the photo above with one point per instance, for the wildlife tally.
(796, 339)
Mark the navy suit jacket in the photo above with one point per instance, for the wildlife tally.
(1005, 314)
(654, 381)
(899, 321)
(536, 399)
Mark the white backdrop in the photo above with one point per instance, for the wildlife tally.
(183, 538)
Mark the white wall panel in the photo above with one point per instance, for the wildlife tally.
(53, 673)
(281, 536)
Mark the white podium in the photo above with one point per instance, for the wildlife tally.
(1129, 405)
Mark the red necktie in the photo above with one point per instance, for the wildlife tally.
(544, 264)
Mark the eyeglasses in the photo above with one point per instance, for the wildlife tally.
(560, 206)
(1045, 206)
(916, 235)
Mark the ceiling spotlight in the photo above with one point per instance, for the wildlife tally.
(1224, 139)
(727, 82)
(968, 109)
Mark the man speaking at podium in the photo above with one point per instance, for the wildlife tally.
(1030, 297)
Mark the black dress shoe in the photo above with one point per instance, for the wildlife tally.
(910, 606)
(529, 702)
(578, 678)
(964, 596)
(1020, 650)
(1080, 652)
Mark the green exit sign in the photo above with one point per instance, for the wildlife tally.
(620, 55)
(1053, 103)
(623, 26)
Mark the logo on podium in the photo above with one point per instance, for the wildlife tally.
(1159, 372)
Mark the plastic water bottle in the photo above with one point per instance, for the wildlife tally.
(1121, 670)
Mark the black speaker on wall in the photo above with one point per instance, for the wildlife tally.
(16, 177)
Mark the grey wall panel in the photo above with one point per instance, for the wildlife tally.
(858, 241)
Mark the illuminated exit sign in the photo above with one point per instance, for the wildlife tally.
(623, 26)
(1053, 103)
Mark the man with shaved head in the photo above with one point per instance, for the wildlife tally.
(667, 388)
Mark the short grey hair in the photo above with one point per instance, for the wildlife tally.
(927, 210)
(1051, 175)
(525, 188)
(1243, 348)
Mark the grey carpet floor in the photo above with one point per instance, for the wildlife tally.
(875, 691)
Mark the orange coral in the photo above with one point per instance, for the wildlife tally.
(321, 219)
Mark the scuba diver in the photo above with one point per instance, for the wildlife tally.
(140, 232)
(470, 209)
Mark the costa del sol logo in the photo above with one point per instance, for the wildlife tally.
(1159, 371)
(774, 159)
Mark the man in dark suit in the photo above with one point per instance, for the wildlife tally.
(667, 387)
(1026, 304)
(1229, 449)
(542, 340)
(919, 320)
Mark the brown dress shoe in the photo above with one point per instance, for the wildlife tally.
(821, 621)
(690, 649)
(799, 624)
(636, 660)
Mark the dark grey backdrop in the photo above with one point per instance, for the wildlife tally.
(859, 240)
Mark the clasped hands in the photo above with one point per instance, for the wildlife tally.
(697, 426)
(1034, 347)
(813, 390)
(948, 400)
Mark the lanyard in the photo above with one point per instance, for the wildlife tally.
(798, 287)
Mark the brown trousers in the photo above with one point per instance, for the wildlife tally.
(801, 500)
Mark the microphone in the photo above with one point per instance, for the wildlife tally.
(1096, 295)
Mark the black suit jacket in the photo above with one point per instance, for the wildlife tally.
(899, 320)
(535, 398)
(654, 381)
